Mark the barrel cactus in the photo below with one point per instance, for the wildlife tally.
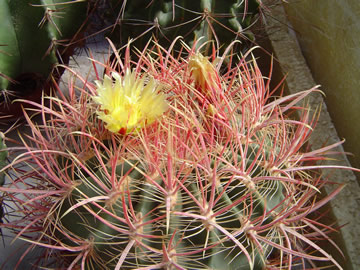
(34, 37)
(172, 161)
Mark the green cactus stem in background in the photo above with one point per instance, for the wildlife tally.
(219, 21)
(35, 35)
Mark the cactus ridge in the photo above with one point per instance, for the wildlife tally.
(3, 163)
(217, 182)
(3, 158)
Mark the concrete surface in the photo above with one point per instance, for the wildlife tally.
(345, 207)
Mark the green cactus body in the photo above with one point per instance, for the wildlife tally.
(182, 233)
(32, 34)
(173, 215)
(223, 21)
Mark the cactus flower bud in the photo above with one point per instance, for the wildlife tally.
(204, 74)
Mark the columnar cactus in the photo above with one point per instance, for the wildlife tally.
(219, 21)
(171, 162)
(34, 37)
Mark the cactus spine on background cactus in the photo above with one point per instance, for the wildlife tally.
(221, 21)
(217, 179)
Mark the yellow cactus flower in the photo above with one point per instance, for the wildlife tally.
(128, 103)
(204, 73)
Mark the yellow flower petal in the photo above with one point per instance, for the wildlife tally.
(128, 103)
